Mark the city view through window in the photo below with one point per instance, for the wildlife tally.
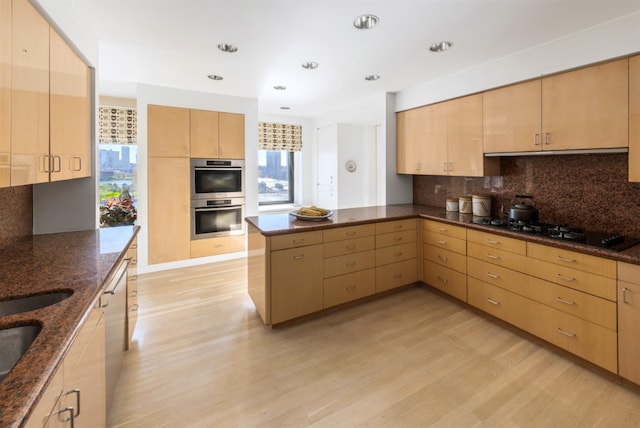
(275, 177)
(117, 184)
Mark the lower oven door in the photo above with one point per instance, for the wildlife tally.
(210, 219)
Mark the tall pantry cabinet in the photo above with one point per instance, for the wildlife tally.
(5, 93)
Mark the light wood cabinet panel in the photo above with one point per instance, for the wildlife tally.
(445, 279)
(348, 232)
(629, 321)
(258, 272)
(293, 240)
(48, 404)
(497, 256)
(586, 108)
(296, 282)
(169, 206)
(455, 261)
(5, 93)
(396, 253)
(634, 118)
(396, 275)
(340, 265)
(348, 246)
(444, 229)
(204, 134)
(573, 259)
(352, 286)
(500, 303)
(395, 238)
(395, 226)
(512, 118)
(231, 136)
(216, 246)
(132, 291)
(70, 127)
(421, 140)
(456, 245)
(498, 242)
(29, 96)
(168, 132)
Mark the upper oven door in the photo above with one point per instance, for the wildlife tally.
(217, 178)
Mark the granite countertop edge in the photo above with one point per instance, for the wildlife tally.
(81, 262)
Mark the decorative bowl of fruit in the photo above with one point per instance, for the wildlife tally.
(312, 213)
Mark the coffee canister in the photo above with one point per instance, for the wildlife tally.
(452, 204)
(481, 205)
(464, 205)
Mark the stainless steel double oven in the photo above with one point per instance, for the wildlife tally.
(217, 198)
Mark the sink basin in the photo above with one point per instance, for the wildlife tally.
(14, 342)
(24, 304)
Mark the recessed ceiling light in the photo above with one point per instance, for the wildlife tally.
(227, 47)
(215, 77)
(279, 87)
(366, 22)
(284, 108)
(440, 46)
(310, 65)
(372, 77)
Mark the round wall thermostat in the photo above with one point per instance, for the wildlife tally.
(351, 166)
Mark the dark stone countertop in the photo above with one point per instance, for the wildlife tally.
(280, 224)
(80, 262)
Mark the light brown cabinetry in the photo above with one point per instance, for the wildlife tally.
(216, 246)
(581, 109)
(217, 135)
(444, 249)
(132, 290)
(167, 132)
(396, 254)
(5, 93)
(634, 118)
(629, 321)
(421, 140)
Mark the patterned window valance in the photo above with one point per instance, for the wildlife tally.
(278, 136)
(118, 125)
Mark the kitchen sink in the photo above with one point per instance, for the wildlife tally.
(25, 304)
(14, 342)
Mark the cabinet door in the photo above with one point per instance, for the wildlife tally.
(409, 127)
(70, 142)
(586, 108)
(433, 146)
(29, 96)
(167, 131)
(629, 331)
(204, 134)
(44, 414)
(5, 93)
(512, 118)
(296, 282)
(231, 136)
(169, 210)
(634, 118)
(464, 136)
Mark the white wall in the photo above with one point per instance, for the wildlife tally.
(149, 94)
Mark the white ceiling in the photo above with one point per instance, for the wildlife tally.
(173, 43)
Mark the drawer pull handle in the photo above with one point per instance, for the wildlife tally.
(397, 227)
(397, 254)
(491, 256)
(351, 288)
(442, 229)
(443, 279)
(442, 242)
(566, 333)
(350, 247)
(566, 302)
(298, 241)
(300, 257)
(351, 233)
(493, 275)
(491, 241)
(397, 276)
(443, 258)
(134, 308)
(351, 264)
(566, 278)
(493, 302)
(397, 238)
(564, 259)
(624, 295)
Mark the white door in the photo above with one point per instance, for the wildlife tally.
(327, 161)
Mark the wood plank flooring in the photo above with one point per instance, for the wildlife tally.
(203, 358)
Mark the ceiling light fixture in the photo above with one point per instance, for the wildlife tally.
(440, 46)
(227, 47)
(366, 22)
(215, 77)
(279, 87)
(372, 77)
(310, 65)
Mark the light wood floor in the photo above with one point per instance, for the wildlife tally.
(203, 358)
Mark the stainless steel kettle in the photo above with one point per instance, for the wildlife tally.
(521, 211)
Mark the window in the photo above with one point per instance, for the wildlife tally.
(275, 177)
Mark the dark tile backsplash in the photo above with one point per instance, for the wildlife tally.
(16, 213)
(589, 191)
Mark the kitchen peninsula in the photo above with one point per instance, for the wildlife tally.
(297, 268)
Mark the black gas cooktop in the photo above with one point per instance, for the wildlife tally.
(562, 232)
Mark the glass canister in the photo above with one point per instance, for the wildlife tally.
(464, 205)
(481, 205)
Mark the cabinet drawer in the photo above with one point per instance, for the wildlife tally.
(396, 275)
(496, 256)
(446, 242)
(216, 246)
(573, 278)
(394, 254)
(396, 226)
(348, 246)
(500, 242)
(340, 265)
(348, 232)
(445, 279)
(352, 286)
(388, 239)
(293, 240)
(629, 273)
(500, 303)
(499, 276)
(572, 259)
(455, 261)
(444, 229)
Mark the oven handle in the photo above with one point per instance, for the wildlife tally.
(218, 208)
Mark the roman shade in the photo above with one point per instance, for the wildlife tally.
(279, 136)
(117, 125)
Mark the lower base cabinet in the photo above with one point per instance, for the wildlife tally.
(629, 321)
(217, 246)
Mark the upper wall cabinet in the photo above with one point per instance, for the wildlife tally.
(5, 93)
(581, 109)
(167, 131)
(217, 135)
(444, 139)
(634, 118)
